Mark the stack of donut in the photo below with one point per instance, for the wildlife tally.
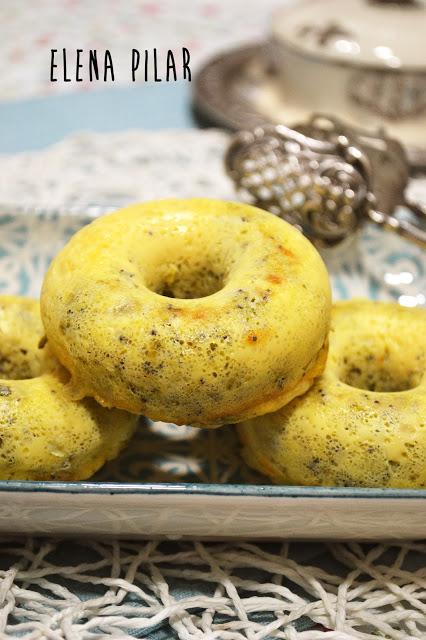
(208, 313)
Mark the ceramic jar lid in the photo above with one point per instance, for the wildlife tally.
(381, 34)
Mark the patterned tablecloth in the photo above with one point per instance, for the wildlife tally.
(30, 29)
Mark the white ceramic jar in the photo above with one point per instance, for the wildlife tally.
(364, 60)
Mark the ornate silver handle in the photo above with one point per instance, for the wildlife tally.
(405, 228)
(325, 178)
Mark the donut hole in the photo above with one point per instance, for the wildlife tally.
(21, 330)
(188, 279)
(19, 363)
(380, 374)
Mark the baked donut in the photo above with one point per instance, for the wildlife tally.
(197, 312)
(363, 422)
(43, 434)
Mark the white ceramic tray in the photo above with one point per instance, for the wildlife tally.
(178, 482)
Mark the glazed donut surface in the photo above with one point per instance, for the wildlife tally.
(363, 422)
(195, 312)
(44, 435)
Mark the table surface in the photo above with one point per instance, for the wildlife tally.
(38, 122)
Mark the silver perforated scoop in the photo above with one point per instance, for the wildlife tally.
(326, 178)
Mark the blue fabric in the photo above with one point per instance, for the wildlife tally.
(37, 123)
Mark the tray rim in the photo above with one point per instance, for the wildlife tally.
(208, 490)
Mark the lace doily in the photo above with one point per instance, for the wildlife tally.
(192, 591)
(111, 170)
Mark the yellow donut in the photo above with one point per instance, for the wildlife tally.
(195, 312)
(43, 434)
(363, 422)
